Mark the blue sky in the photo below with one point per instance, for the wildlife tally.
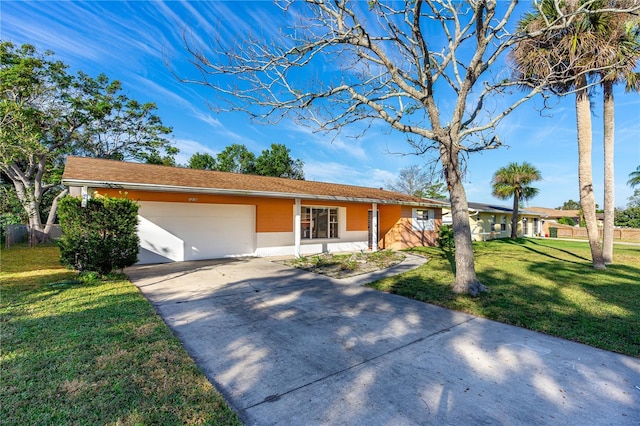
(132, 41)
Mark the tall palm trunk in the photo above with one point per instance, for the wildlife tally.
(609, 209)
(514, 216)
(585, 173)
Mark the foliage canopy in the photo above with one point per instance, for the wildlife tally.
(47, 113)
(236, 158)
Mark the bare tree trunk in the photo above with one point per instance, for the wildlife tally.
(609, 209)
(514, 217)
(465, 273)
(585, 173)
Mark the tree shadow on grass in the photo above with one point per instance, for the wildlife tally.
(524, 243)
(552, 294)
(450, 255)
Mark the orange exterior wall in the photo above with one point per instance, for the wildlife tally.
(272, 214)
(276, 214)
(396, 229)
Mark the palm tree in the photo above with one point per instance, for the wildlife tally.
(624, 56)
(634, 178)
(513, 181)
(564, 60)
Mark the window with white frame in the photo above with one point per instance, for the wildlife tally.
(423, 220)
(503, 223)
(319, 222)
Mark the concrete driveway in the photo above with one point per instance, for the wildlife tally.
(290, 347)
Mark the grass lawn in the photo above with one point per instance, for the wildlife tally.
(91, 352)
(541, 284)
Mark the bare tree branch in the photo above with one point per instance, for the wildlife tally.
(424, 68)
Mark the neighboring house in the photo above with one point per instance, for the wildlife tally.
(188, 214)
(553, 215)
(489, 221)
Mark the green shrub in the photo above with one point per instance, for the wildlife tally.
(8, 219)
(566, 221)
(101, 237)
(445, 238)
(628, 218)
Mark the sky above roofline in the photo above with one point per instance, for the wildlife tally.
(135, 41)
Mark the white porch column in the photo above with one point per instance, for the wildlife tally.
(85, 196)
(297, 236)
(374, 227)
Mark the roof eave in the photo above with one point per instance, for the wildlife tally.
(234, 192)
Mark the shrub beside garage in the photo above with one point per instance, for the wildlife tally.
(99, 235)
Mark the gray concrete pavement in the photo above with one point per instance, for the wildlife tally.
(289, 347)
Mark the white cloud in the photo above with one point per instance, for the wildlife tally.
(207, 118)
(351, 147)
(160, 91)
(346, 174)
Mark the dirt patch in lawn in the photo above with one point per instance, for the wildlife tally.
(347, 265)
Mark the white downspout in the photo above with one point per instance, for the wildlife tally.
(374, 227)
(297, 235)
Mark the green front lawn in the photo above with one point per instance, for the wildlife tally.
(92, 352)
(541, 284)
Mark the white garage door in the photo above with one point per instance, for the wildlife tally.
(183, 231)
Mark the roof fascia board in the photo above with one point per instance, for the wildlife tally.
(246, 193)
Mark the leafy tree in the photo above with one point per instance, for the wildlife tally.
(203, 161)
(570, 205)
(163, 160)
(414, 180)
(47, 113)
(277, 161)
(9, 202)
(11, 211)
(634, 199)
(236, 158)
(634, 178)
(514, 181)
(566, 221)
(101, 236)
(629, 217)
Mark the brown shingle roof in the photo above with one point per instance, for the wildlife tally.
(96, 173)
(555, 213)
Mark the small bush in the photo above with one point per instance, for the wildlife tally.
(101, 237)
(445, 238)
